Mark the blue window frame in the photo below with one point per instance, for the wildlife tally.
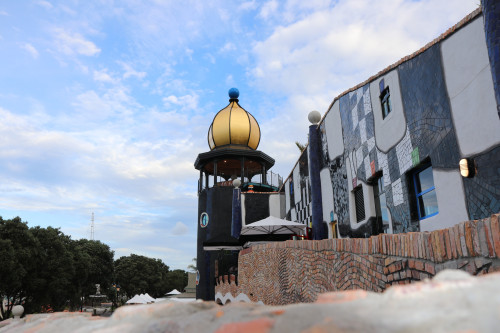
(425, 193)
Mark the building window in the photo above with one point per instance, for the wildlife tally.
(381, 206)
(385, 101)
(425, 193)
(360, 203)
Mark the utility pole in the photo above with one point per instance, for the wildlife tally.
(92, 227)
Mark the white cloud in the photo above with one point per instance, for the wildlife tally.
(74, 43)
(131, 72)
(44, 4)
(340, 46)
(189, 102)
(30, 49)
(180, 229)
(104, 76)
(268, 9)
(228, 47)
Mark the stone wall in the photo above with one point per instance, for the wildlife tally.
(297, 271)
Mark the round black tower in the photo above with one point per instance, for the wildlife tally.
(233, 138)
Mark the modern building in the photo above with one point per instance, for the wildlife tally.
(233, 159)
(415, 147)
(387, 153)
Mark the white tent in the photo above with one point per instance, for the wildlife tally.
(148, 298)
(273, 226)
(173, 292)
(137, 299)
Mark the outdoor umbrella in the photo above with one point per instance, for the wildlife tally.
(273, 226)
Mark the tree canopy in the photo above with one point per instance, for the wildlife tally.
(44, 268)
(139, 275)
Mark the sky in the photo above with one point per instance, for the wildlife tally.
(105, 105)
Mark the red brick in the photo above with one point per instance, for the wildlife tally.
(442, 244)
(435, 246)
(411, 263)
(456, 232)
(419, 265)
(451, 234)
(463, 240)
(447, 244)
(341, 296)
(429, 268)
(429, 254)
(489, 239)
(261, 325)
(475, 238)
(468, 238)
(495, 233)
(415, 245)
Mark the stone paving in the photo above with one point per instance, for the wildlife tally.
(453, 301)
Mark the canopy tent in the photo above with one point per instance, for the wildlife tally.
(222, 242)
(137, 299)
(273, 226)
(173, 292)
(148, 298)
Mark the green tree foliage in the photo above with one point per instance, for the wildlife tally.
(177, 279)
(138, 275)
(301, 146)
(20, 252)
(42, 267)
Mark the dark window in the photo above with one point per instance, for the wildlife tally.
(385, 101)
(381, 205)
(360, 203)
(425, 193)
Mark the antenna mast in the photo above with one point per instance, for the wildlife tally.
(92, 227)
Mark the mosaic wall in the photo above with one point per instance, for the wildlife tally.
(300, 192)
(429, 139)
(300, 270)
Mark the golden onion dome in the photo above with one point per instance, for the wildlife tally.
(234, 126)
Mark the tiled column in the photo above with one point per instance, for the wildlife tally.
(491, 13)
(314, 169)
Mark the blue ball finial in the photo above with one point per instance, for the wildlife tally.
(234, 93)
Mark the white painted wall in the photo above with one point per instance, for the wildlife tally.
(388, 131)
(296, 184)
(287, 196)
(243, 196)
(451, 201)
(333, 128)
(275, 205)
(470, 87)
(326, 196)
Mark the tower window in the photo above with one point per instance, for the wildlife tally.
(360, 203)
(425, 193)
(385, 102)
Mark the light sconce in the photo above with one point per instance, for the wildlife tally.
(467, 167)
(314, 117)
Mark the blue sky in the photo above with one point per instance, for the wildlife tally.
(104, 105)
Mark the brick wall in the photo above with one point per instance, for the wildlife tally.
(297, 271)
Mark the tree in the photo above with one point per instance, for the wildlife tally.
(177, 279)
(138, 275)
(56, 270)
(95, 265)
(20, 252)
(192, 267)
(300, 146)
